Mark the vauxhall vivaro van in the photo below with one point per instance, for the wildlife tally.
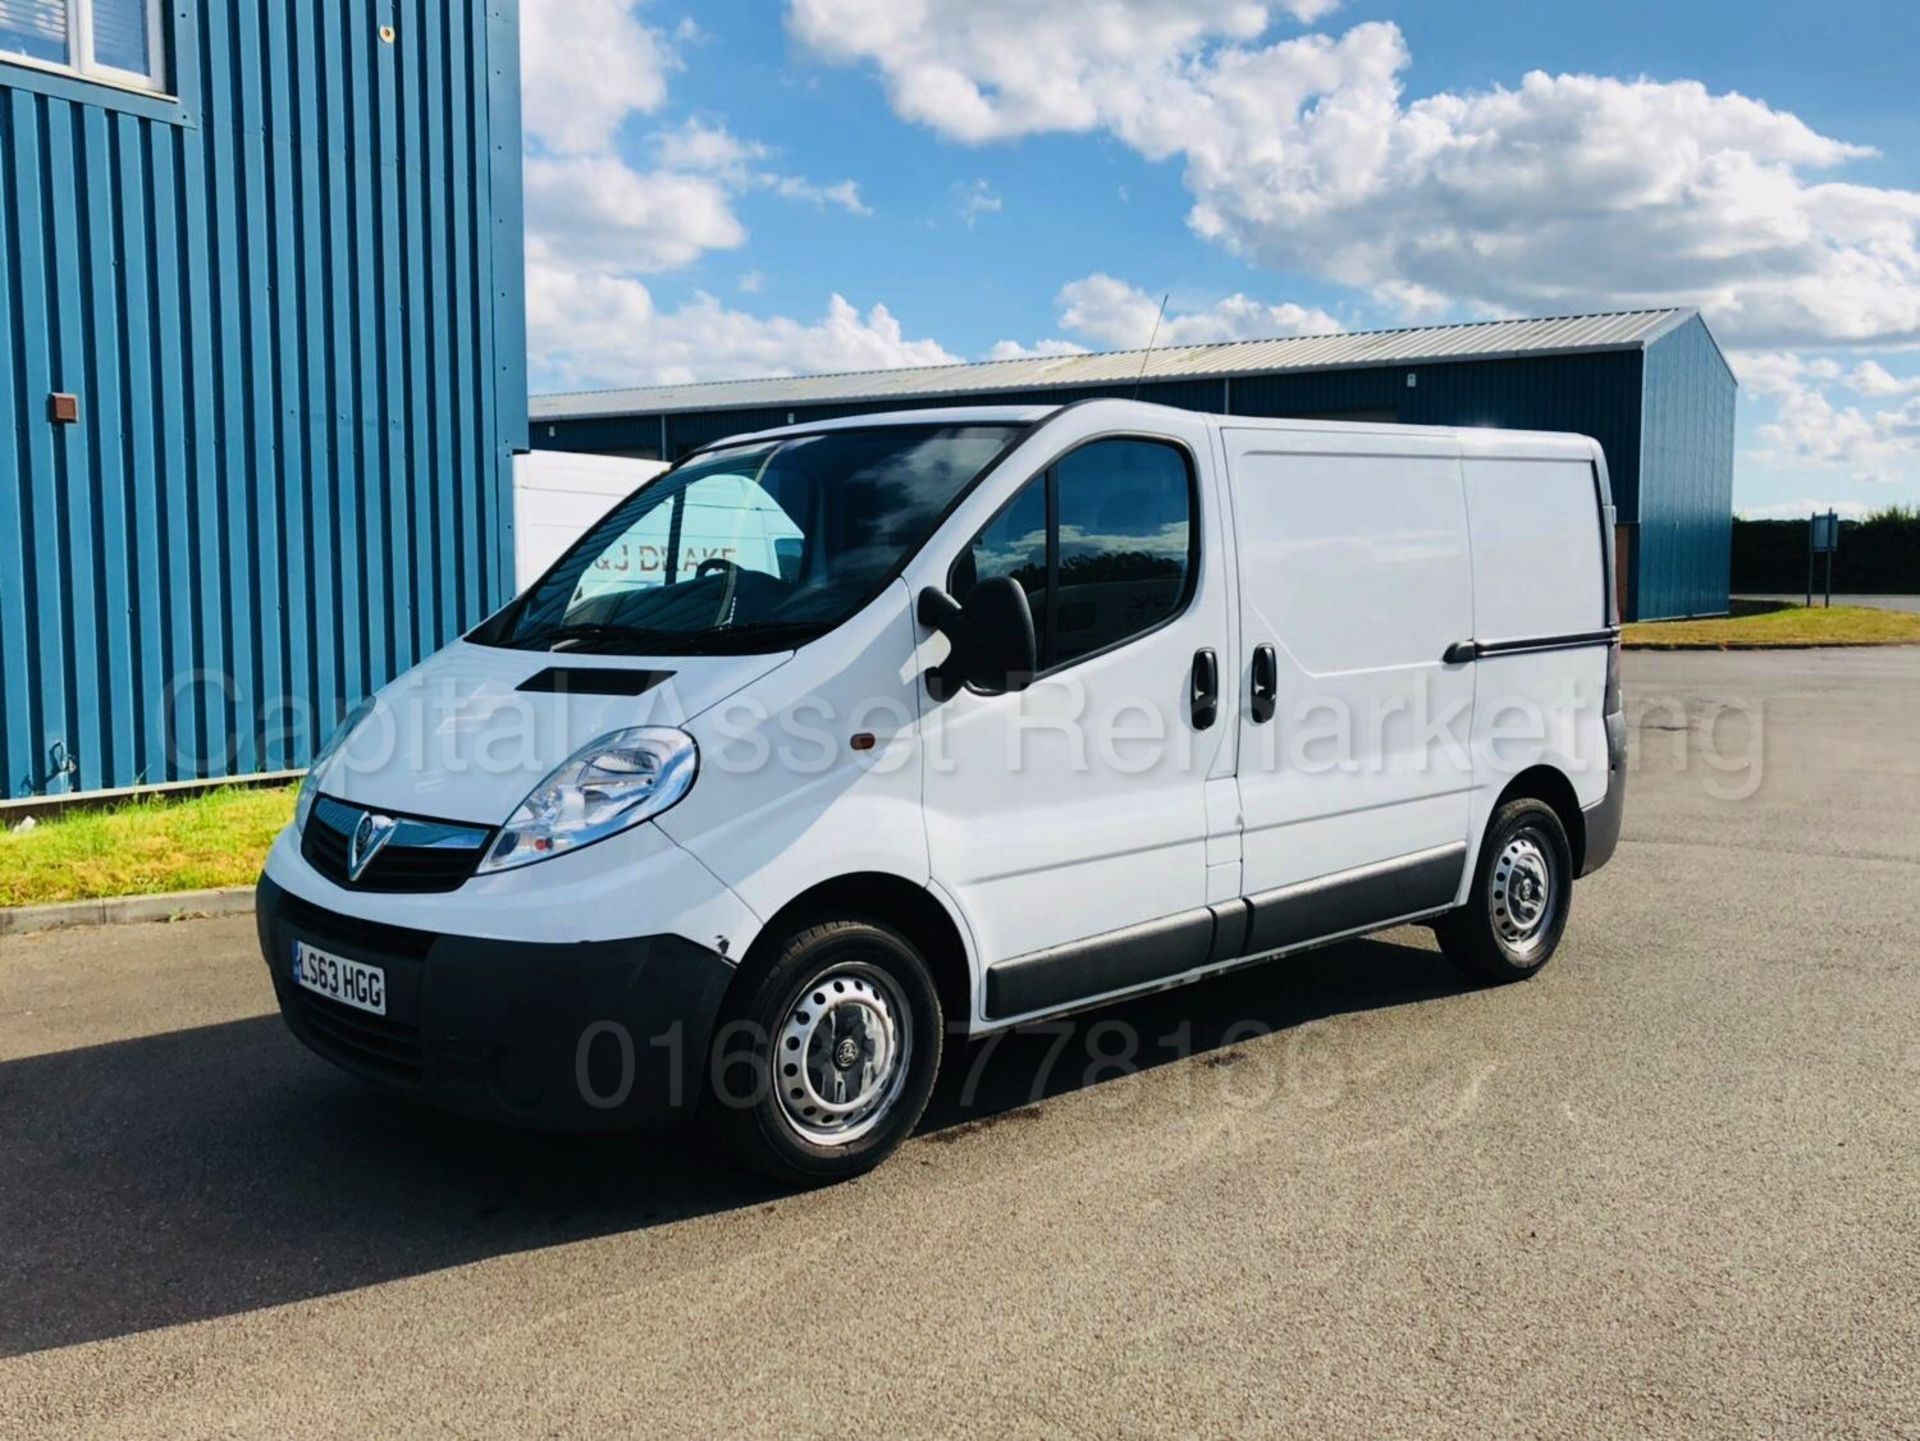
(833, 742)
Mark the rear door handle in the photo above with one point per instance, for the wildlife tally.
(1203, 694)
(1266, 684)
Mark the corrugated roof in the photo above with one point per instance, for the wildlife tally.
(1483, 340)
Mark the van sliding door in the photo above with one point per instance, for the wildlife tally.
(1354, 768)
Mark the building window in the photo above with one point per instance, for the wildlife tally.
(113, 40)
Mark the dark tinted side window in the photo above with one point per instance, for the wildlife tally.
(1125, 510)
(1102, 543)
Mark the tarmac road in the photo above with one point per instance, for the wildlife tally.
(1910, 603)
(1671, 1186)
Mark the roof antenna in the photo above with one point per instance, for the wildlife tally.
(1148, 352)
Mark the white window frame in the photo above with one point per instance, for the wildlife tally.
(80, 59)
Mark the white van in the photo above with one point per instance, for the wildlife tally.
(835, 742)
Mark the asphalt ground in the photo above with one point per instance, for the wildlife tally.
(1909, 603)
(1670, 1186)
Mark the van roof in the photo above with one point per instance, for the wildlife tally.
(931, 415)
(1474, 440)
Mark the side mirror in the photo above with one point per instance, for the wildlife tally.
(990, 638)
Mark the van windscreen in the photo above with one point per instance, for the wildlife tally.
(753, 547)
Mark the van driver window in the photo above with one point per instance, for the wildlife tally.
(1108, 558)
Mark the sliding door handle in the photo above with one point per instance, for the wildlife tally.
(1203, 690)
(1265, 691)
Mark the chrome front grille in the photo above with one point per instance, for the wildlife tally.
(420, 855)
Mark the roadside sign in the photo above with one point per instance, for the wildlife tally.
(1826, 533)
(1823, 538)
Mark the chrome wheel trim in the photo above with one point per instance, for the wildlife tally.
(842, 1053)
(1521, 897)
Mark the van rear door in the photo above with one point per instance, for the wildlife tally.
(1543, 612)
(1354, 768)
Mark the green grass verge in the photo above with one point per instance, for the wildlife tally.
(1780, 625)
(144, 847)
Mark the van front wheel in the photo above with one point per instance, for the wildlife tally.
(826, 1052)
(1522, 888)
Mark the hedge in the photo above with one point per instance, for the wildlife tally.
(1878, 556)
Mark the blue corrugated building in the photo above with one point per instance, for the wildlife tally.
(261, 290)
(1651, 386)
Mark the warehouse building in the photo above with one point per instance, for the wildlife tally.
(1651, 386)
(261, 283)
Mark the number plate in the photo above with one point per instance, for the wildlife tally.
(351, 983)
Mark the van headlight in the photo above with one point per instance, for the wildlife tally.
(614, 782)
(303, 803)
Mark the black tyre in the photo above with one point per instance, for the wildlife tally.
(1522, 889)
(826, 1052)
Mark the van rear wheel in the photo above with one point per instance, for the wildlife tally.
(826, 1052)
(1522, 889)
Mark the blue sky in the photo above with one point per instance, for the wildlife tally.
(748, 188)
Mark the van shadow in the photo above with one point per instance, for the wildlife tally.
(218, 1170)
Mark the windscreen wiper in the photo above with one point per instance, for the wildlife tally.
(739, 639)
(584, 635)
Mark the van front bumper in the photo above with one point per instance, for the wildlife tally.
(593, 1035)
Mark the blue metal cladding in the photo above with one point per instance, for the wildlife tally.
(1684, 546)
(289, 302)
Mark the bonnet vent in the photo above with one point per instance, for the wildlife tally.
(593, 680)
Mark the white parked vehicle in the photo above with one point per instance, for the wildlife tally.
(557, 494)
(919, 725)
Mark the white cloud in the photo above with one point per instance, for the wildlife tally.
(1809, 428)
(973, 199)
(752, 283)
(1780, 372)
(1040, 349)
(1870, 377)
(712, 149)
(1120, 316)
(1114, 315)
(597, 224)
(740, 164)
(996, 69)
(593, 211)
(585, 66)
(594, 329)
(1566, 192)
(843, 193)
